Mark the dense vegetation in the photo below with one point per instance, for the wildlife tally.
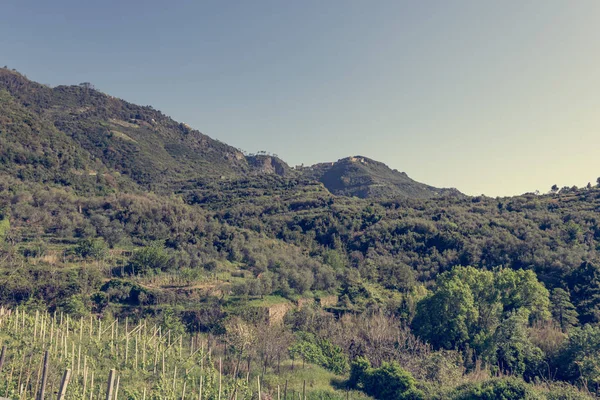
(110, 210)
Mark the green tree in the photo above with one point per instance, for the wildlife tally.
(487, 300)
(515, 353)
(584, 285)
(335, 259)
(358, 371)
(392, 382)
(562, 309)
(335, 359)
(446, 317)
(521, 289)
(580, 358)
(307, 349)
(468, 305)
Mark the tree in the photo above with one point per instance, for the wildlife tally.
(554, 188)
(446, 317)
(562, 309)
(358, 371)
(580, 358)
(584, 285)
(75, 306)
(467, 306)
(240, 336)
(521, 289)
(307, 349)
(336, 359)
(272, 343)
(598, 182)
(515, 353)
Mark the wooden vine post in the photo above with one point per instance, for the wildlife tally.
(44, 376)
(2, 357)
(111, 384)
(63, 384)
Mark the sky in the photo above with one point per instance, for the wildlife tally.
(495, 98)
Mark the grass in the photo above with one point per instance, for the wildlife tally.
(319, 381)
(268, 301)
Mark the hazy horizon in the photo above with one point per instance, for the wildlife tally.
(496, 99)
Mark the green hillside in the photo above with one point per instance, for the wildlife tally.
(349, 276)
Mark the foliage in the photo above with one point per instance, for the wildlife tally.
(486, 311)
(497, 389)
(579, 360)
(388, 382)
(4, 227)
(149, 259)
(203, 237)
(91, 248)
(515, 354)
(319, 351)
(563, 310)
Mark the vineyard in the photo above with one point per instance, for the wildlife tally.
(55, 356)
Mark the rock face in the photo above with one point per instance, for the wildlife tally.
(328, 301)
(264, 164)
(277, 313)
(365, 178)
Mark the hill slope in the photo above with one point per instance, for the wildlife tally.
(81, 131)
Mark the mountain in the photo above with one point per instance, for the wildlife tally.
(73, 131)
(365, 178)
(79, 136)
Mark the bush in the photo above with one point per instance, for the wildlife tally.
(91, 248)
(4, 228)
(564, 391)
(497, 389)
(75, 306)
(320, 352)
(150, 258)
(388, 382)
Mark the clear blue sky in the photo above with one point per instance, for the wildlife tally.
(489, 97)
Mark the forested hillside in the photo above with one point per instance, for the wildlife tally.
(350, 275)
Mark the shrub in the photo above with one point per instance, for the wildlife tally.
(75, 306)
(388, 382)
(320, 352)
(150, 258)
(497, 389)
(4, 228)
(91, 248)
